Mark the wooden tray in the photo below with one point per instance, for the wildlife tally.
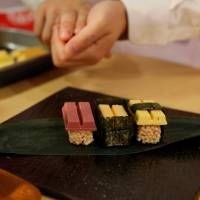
(169, 173)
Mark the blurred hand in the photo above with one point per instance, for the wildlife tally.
(87, 57)
(70, 14)
(106, 22)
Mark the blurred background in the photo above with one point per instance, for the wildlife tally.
(20, 14)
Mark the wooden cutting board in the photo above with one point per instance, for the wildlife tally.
(172, 172)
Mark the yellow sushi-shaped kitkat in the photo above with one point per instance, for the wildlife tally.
(149, 119)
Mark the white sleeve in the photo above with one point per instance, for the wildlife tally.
(160, 22)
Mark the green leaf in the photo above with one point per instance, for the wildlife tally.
(48, 137)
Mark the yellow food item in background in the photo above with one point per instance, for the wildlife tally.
(27, 53)
(3, 54)
(6, 62)
(5, 59)
(20, 55)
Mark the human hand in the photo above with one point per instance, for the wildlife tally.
(70, 14)
(95, 40)
(88, 57)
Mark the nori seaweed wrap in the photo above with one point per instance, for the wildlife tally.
(116, 126)
(149, 119)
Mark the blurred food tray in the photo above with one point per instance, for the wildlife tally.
(11, 39)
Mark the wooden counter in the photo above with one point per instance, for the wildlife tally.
(171, 84)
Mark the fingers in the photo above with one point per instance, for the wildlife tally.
(90, 56)
(58, 54)
(48, 26)
(101, 49)
(56, 46)
(71, 20)
(88, 36)
(94, 53)
(45, 17)
(81, 22)
(67, 25)
(39, 21)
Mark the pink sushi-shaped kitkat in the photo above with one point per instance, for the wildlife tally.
(86, 116)
(78, 117)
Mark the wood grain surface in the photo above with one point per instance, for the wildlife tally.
(172, 85)
(169, 173)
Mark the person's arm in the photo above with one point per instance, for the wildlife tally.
(159, 22)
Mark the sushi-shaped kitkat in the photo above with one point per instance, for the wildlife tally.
(149, 119)
(115, 124)
(79, 122)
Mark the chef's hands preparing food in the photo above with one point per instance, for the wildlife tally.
(95, 40)
(106, 21)
(90, 43)
(70, 15)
